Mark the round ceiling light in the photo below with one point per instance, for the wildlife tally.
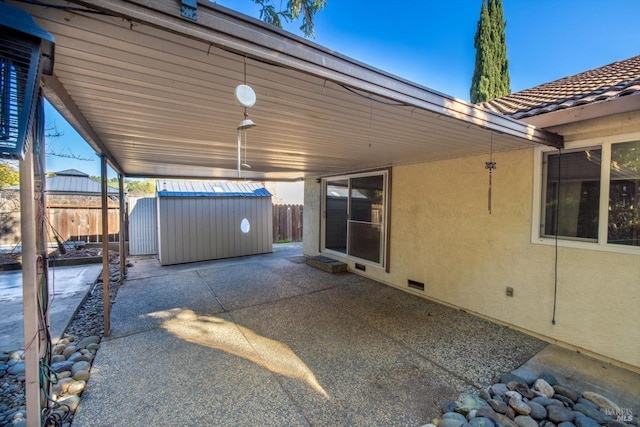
(245, 95)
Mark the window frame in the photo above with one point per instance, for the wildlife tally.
(539, 195)
(385, 225)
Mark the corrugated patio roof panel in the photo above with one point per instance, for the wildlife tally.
(615, 80)
(171, 188)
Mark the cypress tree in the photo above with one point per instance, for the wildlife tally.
(491, 74)
(503, 83)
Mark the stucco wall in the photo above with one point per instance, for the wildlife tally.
(443, 235)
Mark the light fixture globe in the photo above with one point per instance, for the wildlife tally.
(246, 124)
(245, 95)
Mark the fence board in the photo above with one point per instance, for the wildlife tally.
(287, 223)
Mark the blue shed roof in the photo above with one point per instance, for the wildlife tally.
(168, 188)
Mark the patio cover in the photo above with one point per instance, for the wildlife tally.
(154, 93)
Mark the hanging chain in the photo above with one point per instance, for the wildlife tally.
(491, 165)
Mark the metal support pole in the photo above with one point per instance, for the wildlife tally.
(106, 299)
(123, 227)
(30, 292)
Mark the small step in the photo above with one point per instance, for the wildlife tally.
(327, 264)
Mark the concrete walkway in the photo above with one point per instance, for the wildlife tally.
(267, 340)
(67, 287)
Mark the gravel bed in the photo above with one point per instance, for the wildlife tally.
(71, 359)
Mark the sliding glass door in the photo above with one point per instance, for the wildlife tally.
(355, 216)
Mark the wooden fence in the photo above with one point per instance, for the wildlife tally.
(287, 223)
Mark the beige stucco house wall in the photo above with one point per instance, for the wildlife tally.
(441, 234)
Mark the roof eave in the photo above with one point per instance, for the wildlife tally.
(226, 29)
(594, 110)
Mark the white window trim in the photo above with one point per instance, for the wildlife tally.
(605, 174)
(384, 225)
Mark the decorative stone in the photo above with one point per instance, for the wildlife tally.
(80, 366)
(564, 400)
(75, 357)
(64, 384)
(450, 422)
(455, 416)
(471, 415)
(524, 391)
(484, 395)
(519, 406)
(65, 374)
(590, 412)
(587, 402)
(57, 358)
(507, 378)
(81, 375)
(69, 350)
(93, 339)
(72, 401)
(93, 347)
(601, 401)
(545, 401)
(76, 387)
(467, 402)
(498, 405)
(548, 377)
(566, 424)
(511, 414)
(449, 406)
(62, 366)
(538, 411)
(559, 414)
(525, 421)
(498, 389)
(58, 349)
(584, 421)
(482, 422)
(544, 387)
(566, 391)
(17, 369)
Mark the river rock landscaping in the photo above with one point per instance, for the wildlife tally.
(535, 401)
(70, 366)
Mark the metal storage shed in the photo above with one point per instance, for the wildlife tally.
(204, 220)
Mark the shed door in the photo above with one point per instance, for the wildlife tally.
(143, 228)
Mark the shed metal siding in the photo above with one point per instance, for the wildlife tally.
(196, 225)
(143, 226)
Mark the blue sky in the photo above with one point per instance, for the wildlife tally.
(430, 42)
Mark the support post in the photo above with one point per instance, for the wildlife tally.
(106, 299)
(30, 292)
(123, 227)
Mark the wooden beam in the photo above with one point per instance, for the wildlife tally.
(30, 292)
(106, 299)
(123, 227)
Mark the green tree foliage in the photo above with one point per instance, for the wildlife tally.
(8, 174)
(293, 11)
(491, 74)
(141, 188)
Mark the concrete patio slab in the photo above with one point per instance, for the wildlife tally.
(67, 287)
(269, 340)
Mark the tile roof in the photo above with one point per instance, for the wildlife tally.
(615, 80)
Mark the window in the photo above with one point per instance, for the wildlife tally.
(355, 216)
(624, 195)
(575, 185)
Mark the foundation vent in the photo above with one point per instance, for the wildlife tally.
(361, 267)
(415, 285)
